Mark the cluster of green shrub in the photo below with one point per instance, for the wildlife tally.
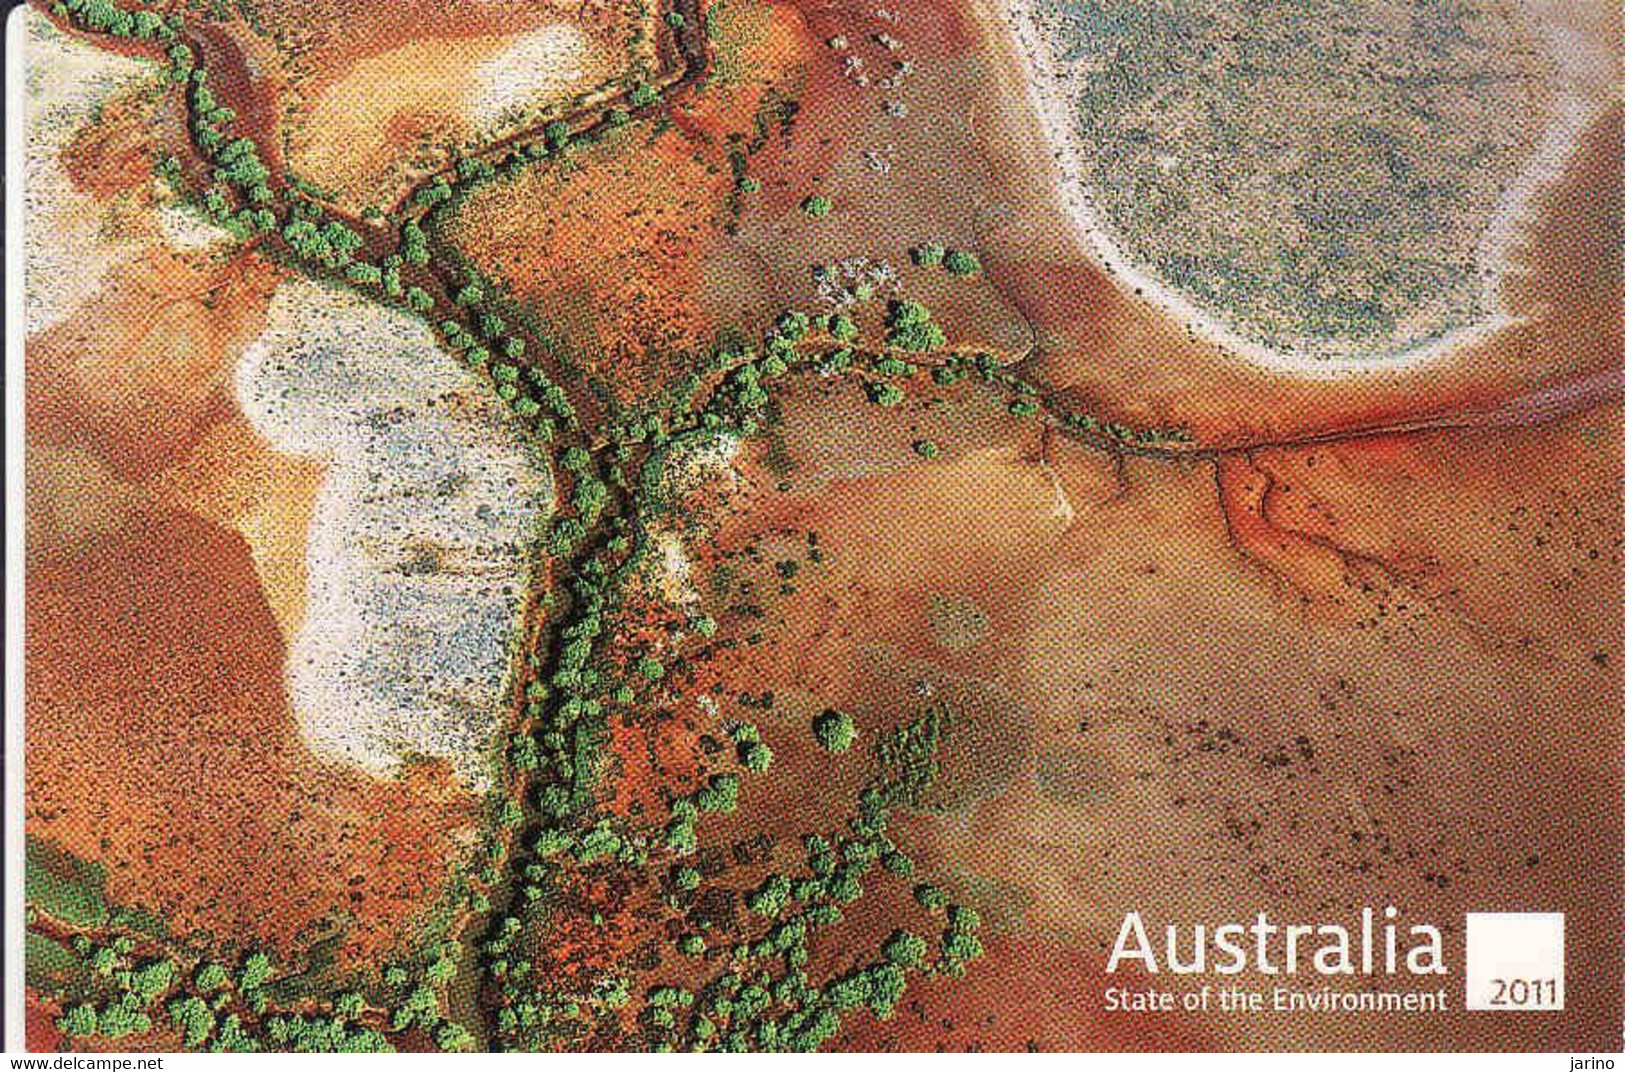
(909, 327)
(211, 1006)
(960, 262)
(1026, 403)
(758, 993)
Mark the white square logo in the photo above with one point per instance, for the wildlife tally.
(1515, 961)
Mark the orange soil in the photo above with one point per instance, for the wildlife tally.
(39, 1026)
(187, 779)
(137, 380)
(165, 569)
(108, 157)
(232, 480)
(1310, 679)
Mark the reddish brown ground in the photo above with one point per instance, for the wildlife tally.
(161, 745)
(39, 1027)
(1307, 679)
(1059, 1010)
(623, 254)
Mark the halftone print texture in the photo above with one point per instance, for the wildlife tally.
(788, 525)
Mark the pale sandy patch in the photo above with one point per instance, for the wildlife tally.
(686, 468)
(67, 247)
(674, 571)
(538, 67)
(186, 230)
(359, 128)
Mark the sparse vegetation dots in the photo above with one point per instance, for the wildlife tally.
(834, 731)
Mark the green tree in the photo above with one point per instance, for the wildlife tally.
(363, 274)
(961, 946)
(793, 325)
(256, 970)
(927, 254)
(421, 1007)
(117, 1021)
(886, 984)
(817, 206)
(441, 970)
(414, 243)
(904, 949)
(194, 1018)
(756, 756)
(721, 794)
(437, 193)
(885, 394)
(453, 1037)
(771, 897)
(153, 980)
(210, 977)
(78, 1021)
